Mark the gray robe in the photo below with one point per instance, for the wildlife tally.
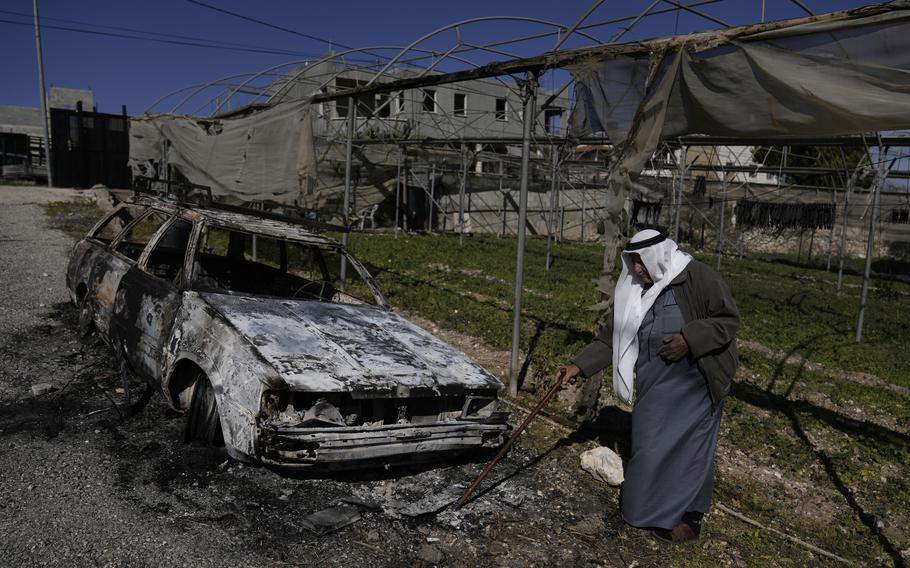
(674, 429)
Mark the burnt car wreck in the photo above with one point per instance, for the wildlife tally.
(274, 341)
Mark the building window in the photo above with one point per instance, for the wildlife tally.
(502, 109)
(429, 100)
(461, 104)
(399, 107)
(900, 215)
(365, 104)
(383, 105)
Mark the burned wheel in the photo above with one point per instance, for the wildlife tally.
(203, 423)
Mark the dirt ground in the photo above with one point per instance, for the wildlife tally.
(83, 483)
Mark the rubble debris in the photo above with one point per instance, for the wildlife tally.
(39, 389)
(362, 503)
(604, 464)
(103, 198)
(330, 520)
(433, 501)
(431, 554)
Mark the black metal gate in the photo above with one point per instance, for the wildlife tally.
(90, 148)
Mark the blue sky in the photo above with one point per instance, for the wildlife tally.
(125, 70)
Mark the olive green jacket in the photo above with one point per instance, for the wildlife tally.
(710, 330)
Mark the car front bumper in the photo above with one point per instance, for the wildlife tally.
(358, 445)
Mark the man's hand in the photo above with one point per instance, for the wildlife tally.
(674, 348)
(570, 374)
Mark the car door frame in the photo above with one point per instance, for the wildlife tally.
(146, 306)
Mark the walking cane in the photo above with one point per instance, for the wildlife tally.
(518, 431)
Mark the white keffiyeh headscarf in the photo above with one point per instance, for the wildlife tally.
(632, 300)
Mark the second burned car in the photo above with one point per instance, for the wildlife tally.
(274, 340)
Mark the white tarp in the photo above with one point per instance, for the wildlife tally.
(263, 156)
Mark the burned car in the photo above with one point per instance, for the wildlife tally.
(273, 340)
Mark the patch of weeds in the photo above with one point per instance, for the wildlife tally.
(794, 380)
(74, 218)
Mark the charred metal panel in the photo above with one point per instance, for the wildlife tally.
(371, 352)
(237, 373)
(143, 315)
(305, 447)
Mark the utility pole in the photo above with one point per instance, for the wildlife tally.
(530, 98)
(44, 110)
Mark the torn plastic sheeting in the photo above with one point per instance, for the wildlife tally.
(263, 156)
(845, 76)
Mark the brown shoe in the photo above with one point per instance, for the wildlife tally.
(682, 532)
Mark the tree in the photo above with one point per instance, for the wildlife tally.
(843, 158)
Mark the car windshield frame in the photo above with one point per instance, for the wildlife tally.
(195, 283)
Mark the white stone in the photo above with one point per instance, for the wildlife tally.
(604, 464)
(39, 389)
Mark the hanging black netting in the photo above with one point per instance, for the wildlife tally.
(770, 215)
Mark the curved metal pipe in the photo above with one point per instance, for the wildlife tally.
(253, 78)
(199, 88)
(323, 60)
(471, 21)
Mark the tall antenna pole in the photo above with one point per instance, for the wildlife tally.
(47, 126)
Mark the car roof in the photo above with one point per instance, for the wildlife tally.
(237, 221)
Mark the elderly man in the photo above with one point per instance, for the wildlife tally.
(673, 349)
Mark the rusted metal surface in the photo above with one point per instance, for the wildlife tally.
(298, 382)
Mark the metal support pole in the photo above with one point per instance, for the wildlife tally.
(405, 202)
(562, 222)
(348, 151)
(530, 96)
(843, 235)
(584, 193)
(870, 242)
(550, 221)
(502, 232)
(505, 203)
(464, 180)
(723, 209)
(44, 111)
(397, 192)
(833, 226)
(432, 197)
(681, 166)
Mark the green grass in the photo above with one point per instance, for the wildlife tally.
(470, 289)
(844, 459)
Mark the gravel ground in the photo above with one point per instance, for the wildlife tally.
(83, 484)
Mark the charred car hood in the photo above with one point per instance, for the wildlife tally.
(324, 347)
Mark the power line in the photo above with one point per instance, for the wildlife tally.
(166, 41)
(154, 34)
(268, 24)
